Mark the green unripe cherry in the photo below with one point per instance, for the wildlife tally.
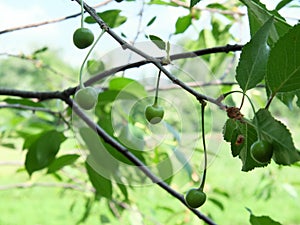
(261, 151)
(195, 198)
(86, 98)
(154, 113)
(83, 38)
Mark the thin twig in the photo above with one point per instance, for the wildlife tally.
(212, 10)
(138, 32)
(30, 108)
(50, 21)
(194, 84)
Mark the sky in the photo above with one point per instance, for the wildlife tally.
(59, 35)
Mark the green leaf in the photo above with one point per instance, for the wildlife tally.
(104, 219)
(110, 96)
(180, 156)
(287, 98)
(29, 140)
(258, 15)
(43, 150)
(129, 139)
(221, 192)
(261, 220)
(253, 61)
(284, 151)
(61, 162)
(228, 129)
(298, 98)
(158, 42)
(265, 220)
(102, 185)
(282, 3)
(231, 132)
(8, 145)
(183, 23)
(122, 187)
(250, 134)
(111, 17)
(161, 2)
(87, 210)
(165, 169)
(128, 85)
(236, 145)
(22, 101)
(283, 69)
(217, 203)
(234, 128)
(95, 66)
(194, 2)
(98, 149)
(173, 131)
(151, 21)
(38, 51)
(217, 6)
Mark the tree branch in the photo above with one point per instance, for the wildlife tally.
(49, 21)
(153, 60)
(212, 10)
(30, 108)
(41, 96)
(124, 151)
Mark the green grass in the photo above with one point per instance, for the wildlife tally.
(51, 206)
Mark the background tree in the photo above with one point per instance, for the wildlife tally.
(137, 131)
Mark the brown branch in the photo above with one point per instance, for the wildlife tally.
(30, 108)
(41, 96)
(49, 21)
(194, 84)
(206, 51)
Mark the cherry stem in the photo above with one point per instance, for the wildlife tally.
(253, 109)
(82, 12)
(243, 100)
(157, 87)
(269, 101)
(203, 104)
(85, 59)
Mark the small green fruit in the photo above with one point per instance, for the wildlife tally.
(86, 98)
(154, 113)
(83, 38)
(261, 151)
(195, 198)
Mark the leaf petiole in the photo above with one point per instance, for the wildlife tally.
(85, 59)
